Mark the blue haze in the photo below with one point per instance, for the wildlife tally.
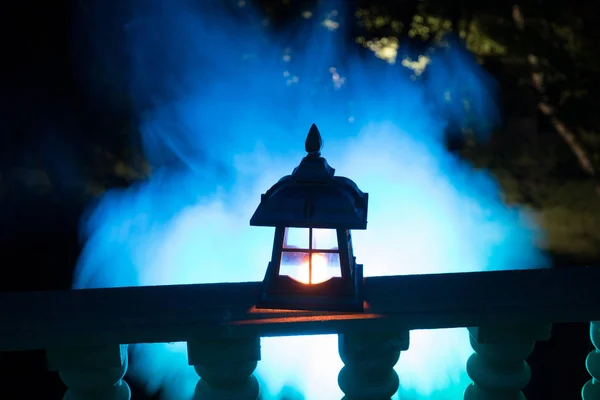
(224, 102)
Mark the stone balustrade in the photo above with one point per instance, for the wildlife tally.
(369, 361)
(226, 368)
(591, 390)
(498, 367)
(85, 332)
(92, 373)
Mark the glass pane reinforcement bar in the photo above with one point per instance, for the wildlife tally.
(311, 251)
(310, 240)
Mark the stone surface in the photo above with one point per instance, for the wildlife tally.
(498, 367)
(92, 373)
(591, 389)
(369, 360)
(226, 368)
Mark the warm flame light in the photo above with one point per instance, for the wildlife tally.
(319, 274)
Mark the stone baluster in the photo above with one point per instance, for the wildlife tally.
(226, 368)
(591, 389)
(92, 373)
(498, 367)
(369, 360)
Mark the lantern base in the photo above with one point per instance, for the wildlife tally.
(337, 294)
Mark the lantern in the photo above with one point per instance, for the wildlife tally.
(312, 266)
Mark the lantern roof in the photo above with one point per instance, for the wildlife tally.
(312, 197)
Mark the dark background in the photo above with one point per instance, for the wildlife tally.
(49, 109)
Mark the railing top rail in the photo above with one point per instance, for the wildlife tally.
(39, 320)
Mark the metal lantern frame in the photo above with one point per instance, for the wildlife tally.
(313, 198)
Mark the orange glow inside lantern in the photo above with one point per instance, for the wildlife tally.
(310, 256)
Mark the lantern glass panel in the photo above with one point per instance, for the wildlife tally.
(323, 266)
(292, 263)
(324, 239)
(332, 261)
(296, 238)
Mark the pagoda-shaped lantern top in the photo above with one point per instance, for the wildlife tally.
(312, 264)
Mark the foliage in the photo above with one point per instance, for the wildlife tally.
(550, 164)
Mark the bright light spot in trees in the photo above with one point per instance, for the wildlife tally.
(331, 24)
(384, 48)
(417, 66)
(338, 80)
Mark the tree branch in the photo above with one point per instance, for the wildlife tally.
(538, 83)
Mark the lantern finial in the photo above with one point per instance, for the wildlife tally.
(314, 142)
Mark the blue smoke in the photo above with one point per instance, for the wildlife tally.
(224, 103)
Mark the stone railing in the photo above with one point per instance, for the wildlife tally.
(85, 332)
